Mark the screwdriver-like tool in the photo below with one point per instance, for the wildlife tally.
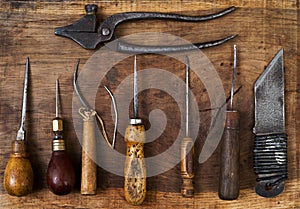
(230, 149)
(18, 175)
(135, 170)
(60, 172)
(187, 146)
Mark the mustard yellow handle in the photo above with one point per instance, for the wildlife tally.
(135, 169)
(18, 175)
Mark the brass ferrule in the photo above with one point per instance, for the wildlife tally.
(57, 124)
(58, 145)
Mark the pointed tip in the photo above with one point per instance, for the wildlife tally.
(187, 61)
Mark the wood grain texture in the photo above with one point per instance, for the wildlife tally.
(26, 29)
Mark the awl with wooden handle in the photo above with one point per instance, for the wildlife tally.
(135, 169)
(18, 175)
(187, 148)
(60, 172)
(90, 116)
(230, 150)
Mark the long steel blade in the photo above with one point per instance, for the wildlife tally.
(269, 98)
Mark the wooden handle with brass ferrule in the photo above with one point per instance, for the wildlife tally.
(89, 167)
(230, 152)
(187, 167)
(135, 170)
(18, 175)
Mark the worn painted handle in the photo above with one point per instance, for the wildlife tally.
(187, 167)
(230, 153)
(89, 168)
(135, 170)
(18, 175)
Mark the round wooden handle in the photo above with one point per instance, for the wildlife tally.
(187, 167)
(60, 173)
(18, 175)
(89, 167)
(230, 152)
(135, 169)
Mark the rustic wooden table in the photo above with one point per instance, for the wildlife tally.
(26, 30)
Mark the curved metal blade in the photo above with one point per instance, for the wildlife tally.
(269, 98)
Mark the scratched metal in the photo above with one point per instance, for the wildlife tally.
(269, 98)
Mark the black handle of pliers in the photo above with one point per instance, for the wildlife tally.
(129, 48)
(108, 26)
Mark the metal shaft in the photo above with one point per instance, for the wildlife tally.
(56, 99)
(21, 131)
(187, 65)
(233, 77)
(135, 89)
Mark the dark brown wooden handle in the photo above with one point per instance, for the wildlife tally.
(187, 167)
(18, 175)
(89, 167)
(135, 169)
(230, 155)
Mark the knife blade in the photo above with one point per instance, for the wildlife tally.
(269, 98)
(270, 129)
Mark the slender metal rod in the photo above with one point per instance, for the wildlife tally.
(135, 89)
(116, 116)
(56, 99)
(187, 66)
(21, 131)
(82, 100)
(25, 95)
(233, 77)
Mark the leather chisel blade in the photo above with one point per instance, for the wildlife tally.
(269, 98)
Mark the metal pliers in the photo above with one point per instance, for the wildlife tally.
(85, 33)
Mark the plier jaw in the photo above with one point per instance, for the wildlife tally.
(86, 34)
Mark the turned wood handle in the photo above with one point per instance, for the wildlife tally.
(187, 167)
(88, 168)
(230, 153)
(135, 170)
(18, 175)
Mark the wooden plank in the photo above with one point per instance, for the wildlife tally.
(26, 29)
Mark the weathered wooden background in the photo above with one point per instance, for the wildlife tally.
(26, 30)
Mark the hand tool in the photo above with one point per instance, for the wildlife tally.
(60, 172)
(18, 174)
(230, 149)
(187, 147)
(270, 147)
(84, 30)
(89, 168)
(135, 169)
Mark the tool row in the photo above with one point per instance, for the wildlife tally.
(270, 148)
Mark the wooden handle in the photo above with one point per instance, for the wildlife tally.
(60, 172)
(135, 170)
(230, 153)
(18, 175)
(88, 168)
(187, 167)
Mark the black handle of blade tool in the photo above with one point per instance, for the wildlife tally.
(270, 164)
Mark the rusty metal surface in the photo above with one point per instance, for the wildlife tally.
(84, 31)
